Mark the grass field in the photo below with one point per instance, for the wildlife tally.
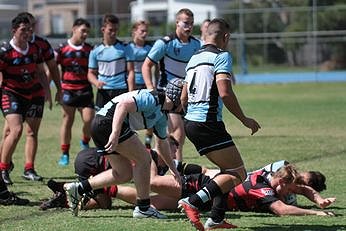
(303, 123)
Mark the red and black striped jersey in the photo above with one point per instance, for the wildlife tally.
(254, 194)
(47, 51)
(19, 70)
(74, 65)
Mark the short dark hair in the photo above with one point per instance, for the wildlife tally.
(317, 181)
(19, 20)
(27, 14)
(110, 18)
(186, 11)
(219, 23)
(81, 21)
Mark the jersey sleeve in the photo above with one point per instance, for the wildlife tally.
(160, 128)
(130, 57)
(223, 63)
(264, 196)
(157, 51)
(58, 55)
(92, 64)
(47, 51)
(3, 63)
(145, 101)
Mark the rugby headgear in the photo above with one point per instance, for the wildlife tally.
(173, 91)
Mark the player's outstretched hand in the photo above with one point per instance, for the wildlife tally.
(252, 124)
(326, 202)
(325, 213)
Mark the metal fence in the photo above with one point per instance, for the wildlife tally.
(307, 45)
(271, 38)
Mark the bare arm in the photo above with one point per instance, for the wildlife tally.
(164, 151)
(146, 72)
(1, 78)
(92, 77)
(122, 109)
(41, 74)
(131, 76)
(230, 100)
(281, 209)
(184, 97)
(55, 76)
(314, 196)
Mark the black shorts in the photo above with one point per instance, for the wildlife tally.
(101, 128)
(12, 103)
(36, 108)
(104, 96)
(78, 98)
(88, 163)
(207, 136)
(141, 86)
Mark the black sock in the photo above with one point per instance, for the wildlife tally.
(206, 194)
(219, 208)
(84, 187)
(143, 204)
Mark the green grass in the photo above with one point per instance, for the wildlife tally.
(303, 123)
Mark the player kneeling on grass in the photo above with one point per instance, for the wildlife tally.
(89, 163)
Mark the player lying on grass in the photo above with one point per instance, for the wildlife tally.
(259, 193)
(87, 164)
(301, 184)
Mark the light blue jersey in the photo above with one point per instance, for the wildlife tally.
(110, 63)
(173, 55)
(148, 114)
(139, 55)
(204, 102)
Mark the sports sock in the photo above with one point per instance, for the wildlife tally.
(4, 166)
(85, 139)
(65, 148)
(219, 208)
(113, 191)
(206, 194)
(28, 166)
(84, 187)
(143, 204)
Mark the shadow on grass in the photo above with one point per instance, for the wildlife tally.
(62, 178)
(297, 227)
